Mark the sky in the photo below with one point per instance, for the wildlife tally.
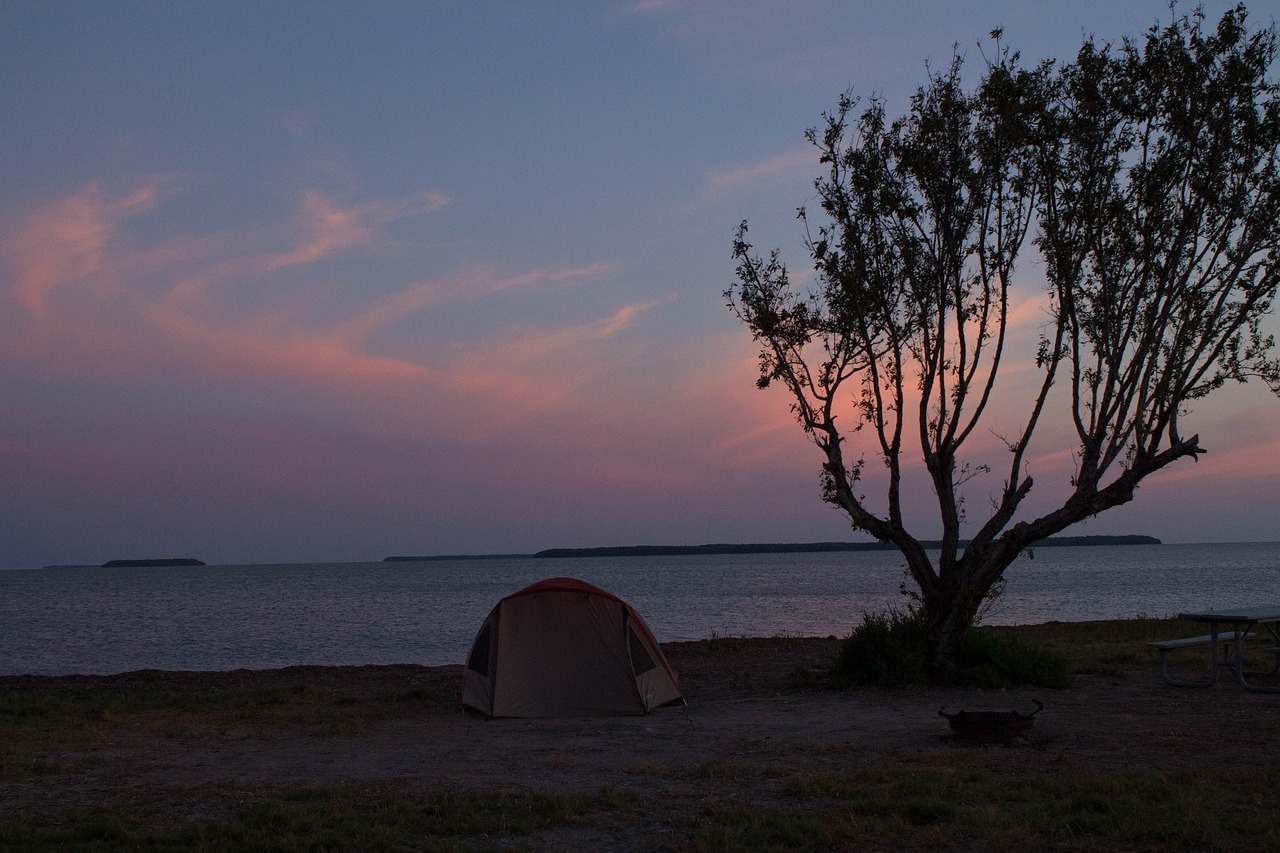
(321, 281)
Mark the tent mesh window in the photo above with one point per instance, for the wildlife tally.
(479, 661)
(641, 662)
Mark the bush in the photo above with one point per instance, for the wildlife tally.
(887, 650)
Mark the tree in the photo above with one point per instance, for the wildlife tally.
(1145, 173)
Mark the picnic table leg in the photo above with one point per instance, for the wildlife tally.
(1238, 653)
(1274, 629)
(1222, 656)
(1216, 659)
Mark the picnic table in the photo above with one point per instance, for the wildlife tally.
(1228, 629)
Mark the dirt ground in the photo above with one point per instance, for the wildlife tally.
(339, 726)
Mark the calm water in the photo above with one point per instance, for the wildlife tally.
(85, 620)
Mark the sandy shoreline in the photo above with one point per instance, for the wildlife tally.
(402, 725)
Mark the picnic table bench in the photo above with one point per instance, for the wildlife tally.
(1227, 632)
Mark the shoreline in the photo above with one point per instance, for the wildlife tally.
(674, 644)
(1028, 628)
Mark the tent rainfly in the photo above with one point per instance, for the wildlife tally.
(564, 648)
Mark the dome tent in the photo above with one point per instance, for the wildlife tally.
(564, 648)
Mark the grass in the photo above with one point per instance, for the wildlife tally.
(92, 711)
(310, 819)
(991, 799)
(976, 801)
(832, 797)
(102, 703)
(1117, 648)
(956, 800)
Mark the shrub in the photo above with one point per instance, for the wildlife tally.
(886, 650)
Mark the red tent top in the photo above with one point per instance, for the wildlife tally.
(564, 585)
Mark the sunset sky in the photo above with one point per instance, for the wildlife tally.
(291, 282)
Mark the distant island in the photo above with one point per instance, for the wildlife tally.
(438, 557)
(171, 561)
(812, 547)
(765, 548)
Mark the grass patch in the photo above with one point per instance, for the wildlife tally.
(312, 819)
(730, 770)
(971, 800)
(1118, 648)
(82, 708)
(14, 764)
(88, 711)
(995, 660)
(1111, 649)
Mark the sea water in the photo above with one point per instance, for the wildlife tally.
(91, 620)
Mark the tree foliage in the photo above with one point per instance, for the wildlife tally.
(1145, 173)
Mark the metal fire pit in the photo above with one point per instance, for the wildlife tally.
(990, 726)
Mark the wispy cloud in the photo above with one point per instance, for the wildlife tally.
(321, 230)
(327, 228)
(654, 5)
(196, 307)
(459, 286)
(270, 321)
(723, 181)
(66, 242)
(607, 327)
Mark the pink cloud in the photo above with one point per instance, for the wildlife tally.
(721, 182)
(1029, 311)
(549, 364)
(468, 285)
(66, 243)
(641, 6)
(321, 230)
(1238, 465)
(194, 308)
(248, 352)
(327, 229)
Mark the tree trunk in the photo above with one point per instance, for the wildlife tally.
(948, 617)
(952, 604)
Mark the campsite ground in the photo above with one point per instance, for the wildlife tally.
(763, 757)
